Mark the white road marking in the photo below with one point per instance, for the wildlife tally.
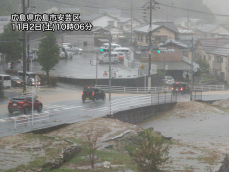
(2, 120)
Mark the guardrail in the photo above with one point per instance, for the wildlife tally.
(209, 87)
(134, 90)
(141, 101)
(29, 119)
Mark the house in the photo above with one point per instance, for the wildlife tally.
(4, 20)
(189, 23)
(177, 46)
(175, 61)
(220, 64)
(125, 23)
(211, 30)
(213, 51)
(81, 39)
(161, 32)
(101, 20)
(115, 32)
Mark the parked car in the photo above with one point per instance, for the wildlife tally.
(16, 81)
(65, 54)
(30, 78)
(93, 93)
(78, 50)
(5, 79)
(180, 87)
(168, 80)
(105, 47)
(24, 105)
(123, 49)
(105, 58)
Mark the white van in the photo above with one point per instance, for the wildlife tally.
(106, 46)
(123, 50)
(105, 58)
(6, 80)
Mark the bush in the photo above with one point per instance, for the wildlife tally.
(150, 153)
(44, 80)
(11, 72)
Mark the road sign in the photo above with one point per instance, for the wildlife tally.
(9, 65)
(105, 73)
(142, 66)
(166, 67)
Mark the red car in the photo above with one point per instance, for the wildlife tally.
(24, 105)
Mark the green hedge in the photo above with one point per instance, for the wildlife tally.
(11, 72)
(44, 80)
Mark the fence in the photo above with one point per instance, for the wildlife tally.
(134, 90)
(209, 87)
(141, 101)
(30, 119)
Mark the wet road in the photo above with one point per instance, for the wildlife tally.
(59, 113)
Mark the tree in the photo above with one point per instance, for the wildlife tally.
(48, 52)
(149, 152)
(92, 135)
(10, 44)
(203, 64)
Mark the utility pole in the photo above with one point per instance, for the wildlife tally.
(110, 67)
(131, 12)
(96, 67)
(24, 50)
(192, 70)
(28, 47)
(150, 45)
(188, 21)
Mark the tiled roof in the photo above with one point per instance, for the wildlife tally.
(145, 29)
(123, 20)
(223, 51)
(174, 42)
(169, 25)
(208, 28)
(211, 44)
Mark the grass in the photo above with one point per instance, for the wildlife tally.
(210, 159)
(38, 163)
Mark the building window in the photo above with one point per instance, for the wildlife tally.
(111, 23)
(141, 37)
(204, 57)
(85, 43)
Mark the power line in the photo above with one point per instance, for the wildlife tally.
(181, 8)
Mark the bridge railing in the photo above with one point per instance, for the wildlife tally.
(134, 90)
(209, 87)
(141, 101)
(29, 119)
